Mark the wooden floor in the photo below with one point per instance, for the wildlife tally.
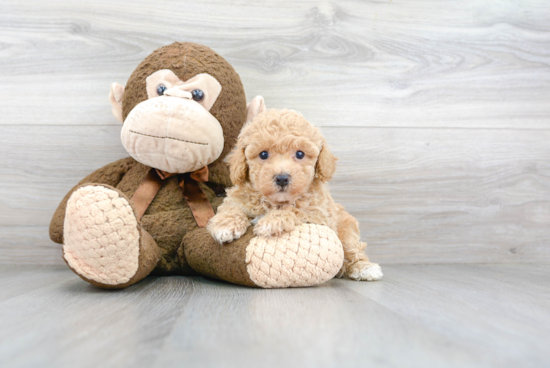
(418, 316)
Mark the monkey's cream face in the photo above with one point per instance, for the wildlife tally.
(282, 169)
(173, 130)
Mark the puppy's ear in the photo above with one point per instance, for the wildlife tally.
(326, 164)
(237, 166)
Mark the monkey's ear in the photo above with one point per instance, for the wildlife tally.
(238, 169)
(254, 107)
(115, 98)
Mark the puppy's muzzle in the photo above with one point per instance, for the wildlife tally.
(282, 180)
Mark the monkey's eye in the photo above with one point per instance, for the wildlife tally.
(198, 95)
(300, 155)
(264, 155)
(160, 89)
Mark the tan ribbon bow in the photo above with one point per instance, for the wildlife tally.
(189, 184)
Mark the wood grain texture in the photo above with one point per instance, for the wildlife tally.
(366, 63)
(446, 195)
(438, 110)
(420, 195)
(417, 316)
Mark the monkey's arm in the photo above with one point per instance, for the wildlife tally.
(110, 174)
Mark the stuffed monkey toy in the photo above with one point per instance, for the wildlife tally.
(182, 110)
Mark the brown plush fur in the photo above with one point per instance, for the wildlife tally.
(208, 258)
(306, 199)
(169, 218)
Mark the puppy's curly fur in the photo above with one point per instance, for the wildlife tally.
(279, 169)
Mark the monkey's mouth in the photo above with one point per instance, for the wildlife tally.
(176, 139)
(172, 134)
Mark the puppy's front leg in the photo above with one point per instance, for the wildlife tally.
(276, 222)
(230, 223)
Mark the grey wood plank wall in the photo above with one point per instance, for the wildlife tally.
(438, 110)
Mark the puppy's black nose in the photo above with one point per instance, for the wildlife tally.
(282, 180)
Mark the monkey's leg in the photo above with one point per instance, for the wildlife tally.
(104, 243)
(110, 174)
(308, 255)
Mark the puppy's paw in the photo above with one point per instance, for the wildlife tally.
(364, 271)
(273, 225)
(225, 229)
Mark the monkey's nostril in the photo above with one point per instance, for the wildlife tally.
(282, 180)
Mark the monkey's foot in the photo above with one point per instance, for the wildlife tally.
(306, 256)
(104, 243)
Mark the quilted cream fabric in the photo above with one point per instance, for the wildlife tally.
(101, 235)
(308, 255)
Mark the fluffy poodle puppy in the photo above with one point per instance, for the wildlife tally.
(279, 169)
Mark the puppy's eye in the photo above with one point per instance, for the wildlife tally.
(198, 95)
(264, 155)
(300, 155)
(160, 89)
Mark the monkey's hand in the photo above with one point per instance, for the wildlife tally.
(228, 226)
(276, 222)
